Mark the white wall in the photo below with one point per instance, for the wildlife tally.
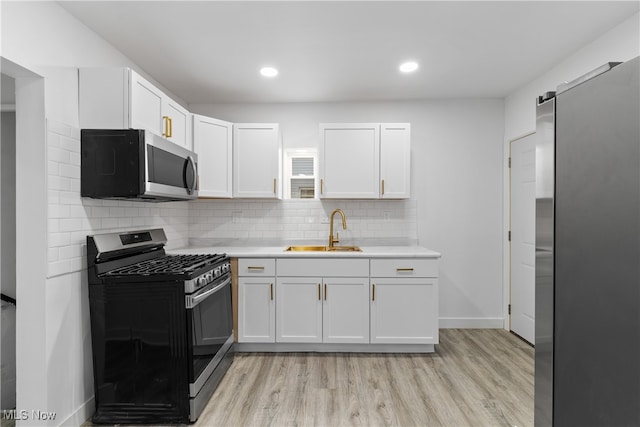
(456, 186)
(54, 368)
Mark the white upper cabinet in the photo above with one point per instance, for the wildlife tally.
(257, 164)
(364, 160)
(349, 160)
(213, 142)
(119, 98)
(395, 160)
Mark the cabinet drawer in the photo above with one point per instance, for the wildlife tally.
(405, 267)
(256, 267)
(327, 267)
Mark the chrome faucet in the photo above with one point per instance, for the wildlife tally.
(332, 239)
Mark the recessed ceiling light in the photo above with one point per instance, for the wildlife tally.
(268, 71)
(408, 67)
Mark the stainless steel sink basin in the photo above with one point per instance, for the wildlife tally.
(323, 249)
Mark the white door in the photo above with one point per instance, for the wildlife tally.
(523, 217)
(256, 309)
(256, 160)
(212, 141)
(349, 161)
(299, 309)
(395, 160)
(345, 314)
(402, 311)
(179, 122)
(145, 107)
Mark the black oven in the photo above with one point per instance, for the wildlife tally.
(161, 328)
(210, 334)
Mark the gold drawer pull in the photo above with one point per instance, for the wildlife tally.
(383, 187)
(319, 292)
(255, 268)
(373, 292)
(401, 270)
(325, 291)
(271, 290)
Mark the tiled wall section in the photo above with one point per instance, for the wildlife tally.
(305, 220)
(71, 217)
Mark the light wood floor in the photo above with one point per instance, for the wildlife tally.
(475, 378)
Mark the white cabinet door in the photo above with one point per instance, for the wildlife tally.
(299, 309)
(349, 160)
(145, 105)
(177, 122)
(212, 141)
(257, 153)
(345, 313)
(395, 160)
(256, 309)
(404, 311)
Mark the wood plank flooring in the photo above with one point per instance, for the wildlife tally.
(476, 378)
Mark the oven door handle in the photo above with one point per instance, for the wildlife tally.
(194, 300)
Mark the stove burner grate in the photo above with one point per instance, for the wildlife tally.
(167, 264)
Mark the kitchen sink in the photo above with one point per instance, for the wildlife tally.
(323, 249)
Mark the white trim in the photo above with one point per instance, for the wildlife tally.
(472, 322)
(82, 414)
(333, 348)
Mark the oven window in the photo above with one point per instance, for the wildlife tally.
(211, 327)
(165, 168)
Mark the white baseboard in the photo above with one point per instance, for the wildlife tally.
(83, 413)
(471, 323)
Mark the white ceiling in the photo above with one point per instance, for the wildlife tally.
(211, 51)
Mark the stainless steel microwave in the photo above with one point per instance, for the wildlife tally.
(133, 164)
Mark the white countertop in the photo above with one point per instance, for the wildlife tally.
(279, 252)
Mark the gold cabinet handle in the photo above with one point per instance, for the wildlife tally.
(373, 292)
(400, 270)
(274, 185)
(321, 186)
(319, 292)
(251, 267)
(271, 291)
(383, 187)
(325, 291)
(168, 127)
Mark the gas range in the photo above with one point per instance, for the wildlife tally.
(161, 326)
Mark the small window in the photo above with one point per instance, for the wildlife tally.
(301, 169)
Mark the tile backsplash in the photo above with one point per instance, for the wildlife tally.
(71, 217)
(302, 220)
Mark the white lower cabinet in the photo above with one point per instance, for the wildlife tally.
(345, 314)
(318, 308)
(404, 301)
(256, 301)
(329, 310)
(339, 301)
(299, 309)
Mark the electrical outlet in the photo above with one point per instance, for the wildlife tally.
(236, 216)
(386, 216)
(324, 220)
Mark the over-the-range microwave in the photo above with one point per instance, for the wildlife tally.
(134, 164)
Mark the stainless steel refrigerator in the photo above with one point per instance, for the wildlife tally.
(587, 354)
